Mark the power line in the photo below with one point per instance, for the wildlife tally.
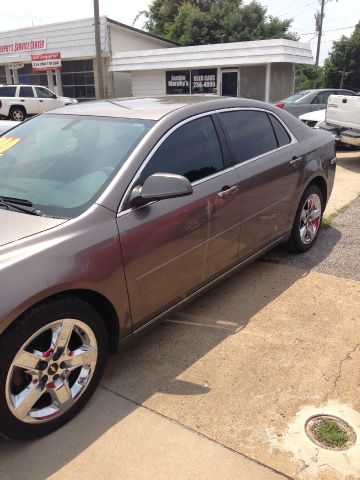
(328, 31)
(302, 7)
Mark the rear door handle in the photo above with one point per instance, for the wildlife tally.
(227, 191)
(295, 161)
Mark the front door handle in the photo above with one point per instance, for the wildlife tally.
(295, 161)
(227, 191)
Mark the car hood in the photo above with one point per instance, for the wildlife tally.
(317, 116)
(15, 226)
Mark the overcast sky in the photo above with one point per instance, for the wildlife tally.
(341, 14)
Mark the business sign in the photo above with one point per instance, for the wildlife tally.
(19, 47)
(204, 80)
(178, 82)
(15, 66)
(46, 61)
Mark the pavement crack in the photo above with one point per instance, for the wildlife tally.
(339, 374)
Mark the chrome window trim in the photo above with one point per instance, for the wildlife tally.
(205, 179)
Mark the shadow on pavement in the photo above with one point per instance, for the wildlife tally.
(350, 160)
(155, 361)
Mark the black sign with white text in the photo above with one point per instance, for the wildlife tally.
(178, 82)
(204, 80)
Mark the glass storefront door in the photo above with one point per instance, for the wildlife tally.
(229, 83)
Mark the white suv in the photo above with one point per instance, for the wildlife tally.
(18, 101)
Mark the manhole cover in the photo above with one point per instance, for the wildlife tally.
(330, 432)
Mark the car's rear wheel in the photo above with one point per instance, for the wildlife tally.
(307, 220)
(51, 361)
(17, 113)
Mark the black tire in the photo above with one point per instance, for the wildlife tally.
(17, 113)
(20, 332)
(295, 244)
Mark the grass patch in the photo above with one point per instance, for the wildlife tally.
(327, 222)
(330, 434)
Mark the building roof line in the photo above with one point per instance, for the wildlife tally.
(142, 32)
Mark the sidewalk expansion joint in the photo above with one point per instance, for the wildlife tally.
(176, 422)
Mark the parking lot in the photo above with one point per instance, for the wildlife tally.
(222, 388)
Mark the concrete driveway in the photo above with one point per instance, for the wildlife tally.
(223, 388)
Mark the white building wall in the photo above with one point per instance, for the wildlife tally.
(123, 40)
(149, 82)
(74, 39)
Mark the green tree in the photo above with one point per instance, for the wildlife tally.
(342, 67)
(198, 22)
(307, 75)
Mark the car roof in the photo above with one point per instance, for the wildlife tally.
(21, 85)
(156, 107)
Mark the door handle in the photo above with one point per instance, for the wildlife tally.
(21, 100)
(227, 191)
(295, 161)
(41, 101)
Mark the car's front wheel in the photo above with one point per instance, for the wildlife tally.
(307, 220)
(51, 361)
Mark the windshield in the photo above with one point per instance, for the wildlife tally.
(296, 96)
(62, 163)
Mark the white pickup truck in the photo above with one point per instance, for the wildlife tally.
(343, 115)
(19, 101)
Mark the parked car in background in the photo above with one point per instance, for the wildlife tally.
(19, 101)
(5, 125)
(313, 119)
(114, 213)
(309, 100)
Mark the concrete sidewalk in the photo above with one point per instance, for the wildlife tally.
(347, 181)
(114, 439)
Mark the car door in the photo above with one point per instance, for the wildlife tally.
(27, 98)
(172, 246)
(46, 99)
(269, 167)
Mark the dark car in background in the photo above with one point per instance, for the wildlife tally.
(113, 213)
(309, 100)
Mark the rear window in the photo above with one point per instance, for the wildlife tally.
(7, 91)
(296, 96)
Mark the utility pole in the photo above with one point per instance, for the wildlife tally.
(99, 63)
(319, 17)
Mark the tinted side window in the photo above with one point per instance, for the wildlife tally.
(282, 136)
(322, 98)
(250, 132)
(193, 151)
(7, 91)
(26, 92)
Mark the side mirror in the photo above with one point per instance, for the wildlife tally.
(54, 95)
(161, 185)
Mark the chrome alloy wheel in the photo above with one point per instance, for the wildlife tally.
(310, 218)
(51, 371)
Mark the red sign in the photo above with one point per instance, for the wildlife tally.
(46, 61)
(27, 46)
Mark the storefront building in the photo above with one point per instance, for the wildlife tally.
(262, 69)
(61, 56)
